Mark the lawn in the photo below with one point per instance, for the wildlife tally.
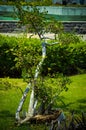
(75, 97)
(10, 94)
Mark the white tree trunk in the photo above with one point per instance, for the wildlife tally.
(17, 116)
(32, 104)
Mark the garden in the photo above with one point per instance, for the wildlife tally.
(17, 55)
(42, 81)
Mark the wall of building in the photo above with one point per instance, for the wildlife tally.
(71, 25)
(82, 2)
(13, 27)
(60, 10)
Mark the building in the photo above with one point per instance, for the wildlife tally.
(64, 2)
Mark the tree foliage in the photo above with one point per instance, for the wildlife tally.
(32, 18)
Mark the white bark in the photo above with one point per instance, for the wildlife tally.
(17, 116)
(32, 106)
(32, 103)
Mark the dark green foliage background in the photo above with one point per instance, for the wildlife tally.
(66, 59)
(7, 63)
(16, 52)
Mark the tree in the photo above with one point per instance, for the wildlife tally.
(35, 21)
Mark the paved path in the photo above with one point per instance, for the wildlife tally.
(50, 35)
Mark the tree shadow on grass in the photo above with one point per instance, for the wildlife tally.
(6, 113)
(67, 106)
(82, 100)
(82, 104)
(77, 105)
(63, 105)
(7, 121)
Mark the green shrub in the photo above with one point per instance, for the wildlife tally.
(28, 55)
(66, 59)
(7, 56)
(32, 3)
(68, 38)
(20, 56)
(16, 54)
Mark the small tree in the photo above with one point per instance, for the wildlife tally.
(35, 21)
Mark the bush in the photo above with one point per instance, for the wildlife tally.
(33, 3)
(20, 56)
(66, 59)
(16, 54)
(7, 56)
(68, 38)
(28, 56)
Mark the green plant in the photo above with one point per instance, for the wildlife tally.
(5, 85)
(7, 47)
(68, 38)
(32, 18)
(36, 19)
(27, 57)
(55, 27)
(75, 123)
(63, 58)
(48, 90)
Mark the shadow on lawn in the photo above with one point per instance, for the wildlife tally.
(82, 100)
(63, 105)
(82, 104)
(6, 113)
(7, 121)
(78, 105)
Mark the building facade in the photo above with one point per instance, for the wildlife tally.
(64, 2)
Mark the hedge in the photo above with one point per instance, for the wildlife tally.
(66, 59)
(16, 54)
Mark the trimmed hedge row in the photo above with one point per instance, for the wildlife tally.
(7, 63)
(17, 53)
(66, 59)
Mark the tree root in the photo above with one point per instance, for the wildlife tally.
(41, 118)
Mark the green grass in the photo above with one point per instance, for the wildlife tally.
(75, 97)
(10, 94)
